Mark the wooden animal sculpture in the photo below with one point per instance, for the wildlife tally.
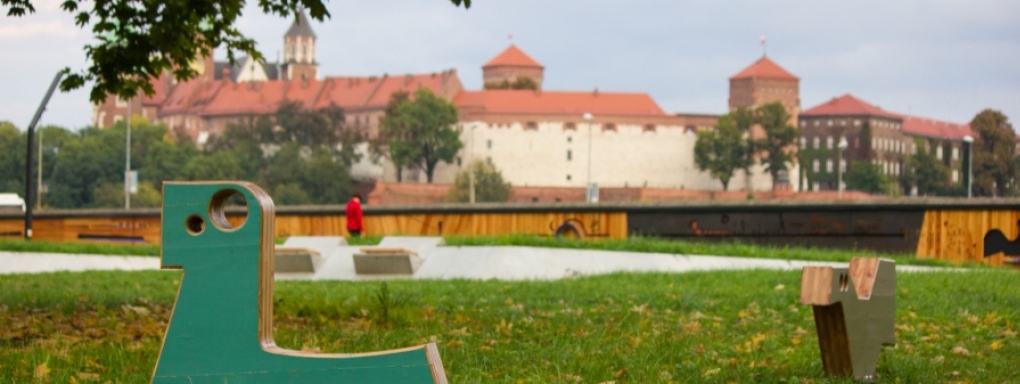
(996, 241)
(855, 313)
(222, 325)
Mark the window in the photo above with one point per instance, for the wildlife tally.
(458, 162)
(828, 142)
(803, 124)
(828, 165)
(816, 142)
(609, 127)
(938, 152)
(531, 126)
(570, 155)
(569, 127)
(650, 128)
(488, 143)
(874, 143)
(830, 122)
(570, 139)
(817, 123)
(842, 122)
(857, 122)
(814, 165)
(120, 103)
(956, 154)
(803, 142)
(568, 177)
(956, 175)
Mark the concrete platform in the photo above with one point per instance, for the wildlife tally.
(444, 262)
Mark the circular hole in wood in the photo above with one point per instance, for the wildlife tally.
(195, 224)
(228, 210)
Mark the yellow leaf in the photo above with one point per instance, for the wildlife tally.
(41, 371)
(620, 373)
(995, 345)
(712, 371)
(780, 287)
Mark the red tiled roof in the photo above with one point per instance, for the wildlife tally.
(225, 97)
(919, 126)
(764, 68)
(847, 105)
(558, 103)
(513, 57)
(158, 85)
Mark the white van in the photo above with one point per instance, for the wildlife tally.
(11, 203)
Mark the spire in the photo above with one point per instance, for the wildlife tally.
(301, 26)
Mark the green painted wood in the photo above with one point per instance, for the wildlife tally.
(221, 328)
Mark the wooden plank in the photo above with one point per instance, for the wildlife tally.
(958, 235)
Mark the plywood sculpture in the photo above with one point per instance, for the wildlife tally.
(222, 325)
(855, 313)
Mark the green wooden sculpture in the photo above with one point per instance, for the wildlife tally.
(855, 314)
(222, 325)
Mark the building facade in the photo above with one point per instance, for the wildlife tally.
(873, 135)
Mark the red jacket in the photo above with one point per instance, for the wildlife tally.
(354, 215)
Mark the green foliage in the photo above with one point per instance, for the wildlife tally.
(866, 177)
(421, 132)
(723, 150)
(111, 195)
(489, 185)
(697, 327)
(519, 83)
(78, 248)
(994, 153)
(925, 171)
(779, 135)
(12, 157)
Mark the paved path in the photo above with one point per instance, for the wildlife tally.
(445, 262)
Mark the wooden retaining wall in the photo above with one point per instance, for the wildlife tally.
(951, 230)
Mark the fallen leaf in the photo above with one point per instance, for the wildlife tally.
(41, 371)
(995, 345)
(712, 371)
(620, 373)
(961, 351)
(780, 287)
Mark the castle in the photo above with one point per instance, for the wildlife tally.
(534, 136)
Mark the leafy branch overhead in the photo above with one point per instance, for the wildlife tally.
(137, 40)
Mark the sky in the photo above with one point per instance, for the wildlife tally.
(939, 59)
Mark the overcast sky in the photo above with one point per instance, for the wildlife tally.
(942, 59)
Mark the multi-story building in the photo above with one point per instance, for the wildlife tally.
(872, 135)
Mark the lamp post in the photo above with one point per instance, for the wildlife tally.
(969, 142)
(127, 160)
(471, 163)
(588, 192)
(839, 166)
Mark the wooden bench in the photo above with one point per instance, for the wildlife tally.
(297, 260)
(386, 261)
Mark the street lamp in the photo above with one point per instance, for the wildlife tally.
(969, 141)
(589, 196)
(839, 166)
(471, 163)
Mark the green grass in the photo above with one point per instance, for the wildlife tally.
(17, 245)
(656, 245)
(713, 327)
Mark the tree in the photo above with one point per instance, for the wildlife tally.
(866, 177)
(12, 157)
(779, 135)
(722, 151)
(489, 185)
(519, 83)
(421, 132)
(135, 41)
(994, 151)
(925, 171)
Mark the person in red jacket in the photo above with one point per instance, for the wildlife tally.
(354, 225)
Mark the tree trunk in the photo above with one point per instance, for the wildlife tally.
(400, 174)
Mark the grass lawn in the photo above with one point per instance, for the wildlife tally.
(715, 327)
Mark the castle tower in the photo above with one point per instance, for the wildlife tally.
(762, 83)
(765, 82)
(299, 50)
(509, 67)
